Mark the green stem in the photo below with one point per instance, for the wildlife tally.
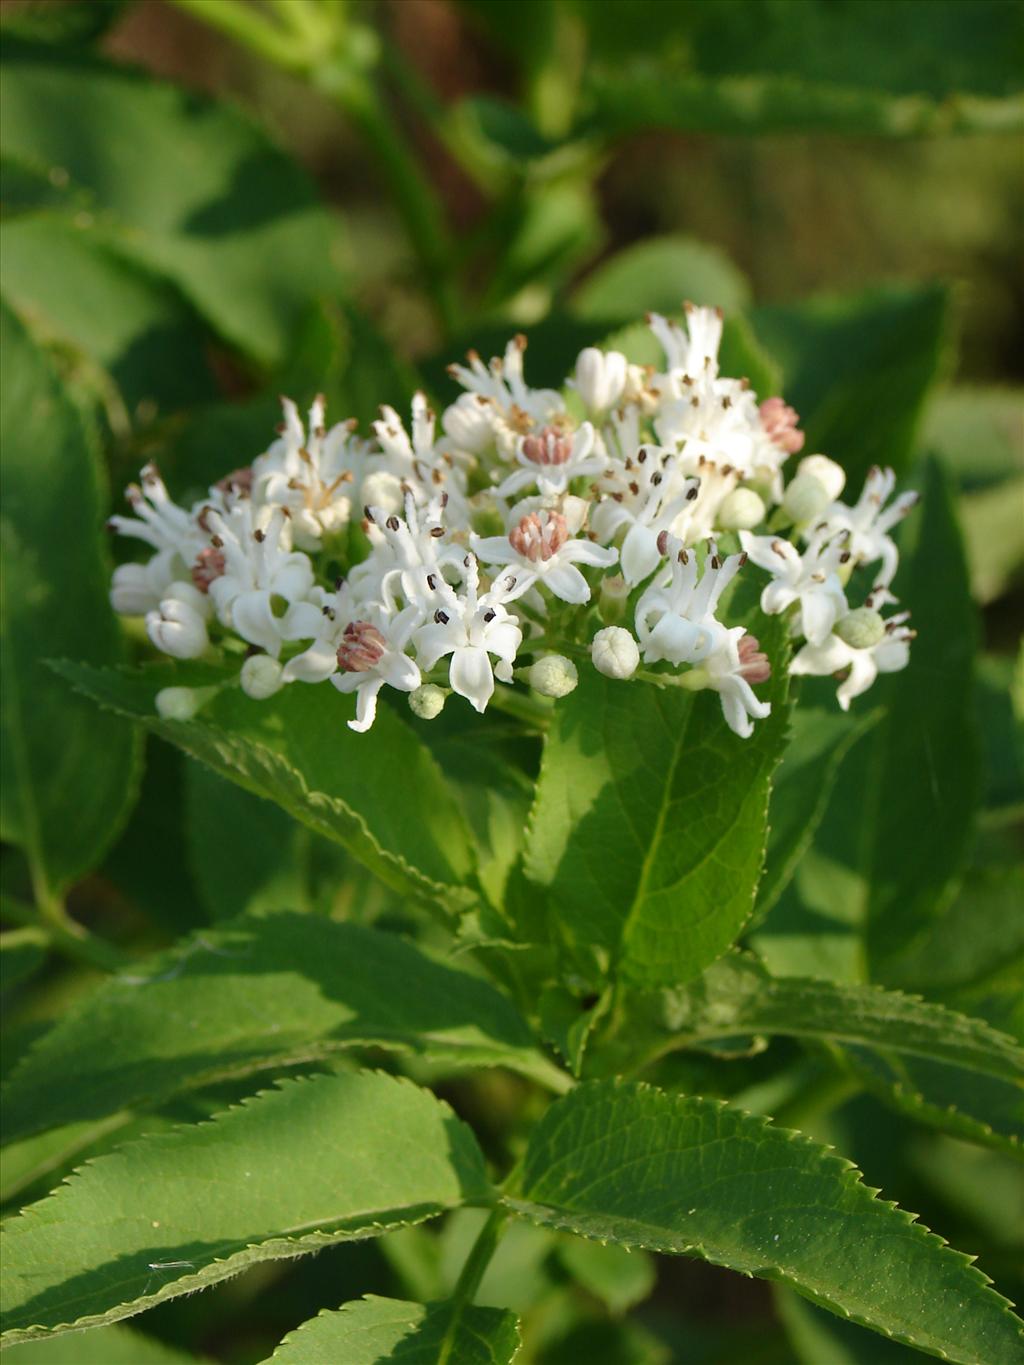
(532, 711)
(63, 934)
(479, 1257)
(249, 27)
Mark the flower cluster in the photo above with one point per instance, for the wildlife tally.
(526, 528)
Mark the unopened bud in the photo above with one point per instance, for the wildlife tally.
(554, 676)
(861, 628)
(832, 475)
(384, 491)
(261, 677)
(614, 595)
(179, 703)
(600, 378)
(742, 510)
(176, 627)
(615, 653)
(427, 701)
(469, 424)
(805, 498)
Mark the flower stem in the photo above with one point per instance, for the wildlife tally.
(470, 1276)
(63, 934)
(531, 710)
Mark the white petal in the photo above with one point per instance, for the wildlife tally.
(639, 557)
(253, 619)
(863, 672)
(818, 614)
(399, 671)
(586, 552)
(316, 664)
(366, 705)
(566, 582)
(819, 661)
(494, 549)
(471, 676)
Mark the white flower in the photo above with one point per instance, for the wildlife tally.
(178, 625)
(541, 549)
(469, 423)
(646, 495)
(615, 653)
(888, 654)
(409, 554)
(415, 462)
(471, 628)
(554, 676)
(261, 588)
(552, 459)
(372, 653)
(503, 384)
(694, 352)
(138, 588)
(811, 580)
(600, 378)
(675, 617)
(729, 670)
(870, 521)
(311, 473)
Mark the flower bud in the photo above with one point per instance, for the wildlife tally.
(805, 498)
(615, 652)
(600, 378)
(614, 595)
(427, 701)
(554, 676)
(742, 510)
(261, 677)
(177, 628)
(383, 490)
(179, 703)
(861, 628)
(468, 423)
(832, 475)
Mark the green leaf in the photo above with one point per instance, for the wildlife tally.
(297, 1168)
(260, 992)
(1001, 731)
(677, 1174)
(898, 827)
(70, 774)
(190, 189)
(102, 1346)
(296, 750)
(657, 275)
(946, 1069)
(375, 1330)
(820, 1338)
(619, 1277)
(648, 828)
(994, 537)
(877, 352)
(819, 741)
(75, 292)
(804, 65)
(977, 432)
(22, 953)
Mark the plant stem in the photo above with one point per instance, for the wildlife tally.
(479, 1257)
(531, 711)
(63, 934)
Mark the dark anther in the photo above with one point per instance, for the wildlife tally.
(259, 536)
(392, 523)
(441, 617)
(431, 582)
(437, 532)
(490, 614)
(693, 492)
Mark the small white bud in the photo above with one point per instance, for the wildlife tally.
(575, 510)
(384, 491)
(832, 475)
(742, 510)
(805, 498)
(177, 628)
(427, 701)
(615, 652)
(861, 628)
(600, 378)
(468, 423)
(179, 703)
(261, 677)
(614, 595)
(554, 676)
(132, 593)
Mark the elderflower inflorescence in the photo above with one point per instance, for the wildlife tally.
(603, 523)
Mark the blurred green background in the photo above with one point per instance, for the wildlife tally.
(209, 202)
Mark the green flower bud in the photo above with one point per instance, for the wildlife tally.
(615, 653)
(611, 603)
(427, 701)
(261, 677)
(554, 676)
(742, 510)
(179, 703)
(805, 498)
(861, 628)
